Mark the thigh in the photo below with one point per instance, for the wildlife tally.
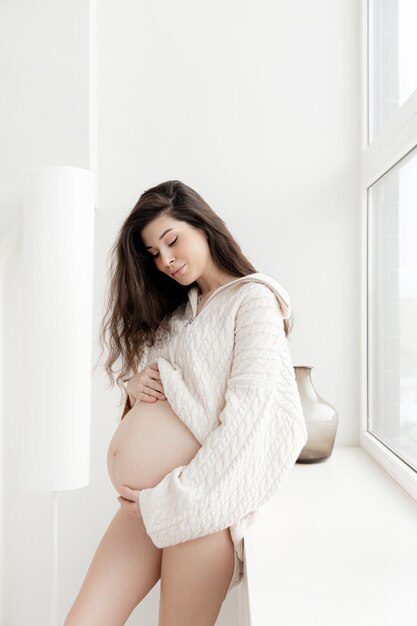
(195, 576)
(125, 567)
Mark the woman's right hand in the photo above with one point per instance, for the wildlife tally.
(146, 385)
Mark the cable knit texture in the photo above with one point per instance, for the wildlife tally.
(228, 376)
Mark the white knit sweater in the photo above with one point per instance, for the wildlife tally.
(228, 376)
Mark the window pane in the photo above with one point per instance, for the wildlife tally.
(393, 58)
(392, 309)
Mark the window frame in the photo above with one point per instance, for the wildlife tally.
(395, 139)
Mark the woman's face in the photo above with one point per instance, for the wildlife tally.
(174, 244)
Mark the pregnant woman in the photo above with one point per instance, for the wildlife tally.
(212, 423)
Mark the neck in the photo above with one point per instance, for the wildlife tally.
(206, 289)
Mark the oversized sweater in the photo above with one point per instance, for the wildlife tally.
(227, 374)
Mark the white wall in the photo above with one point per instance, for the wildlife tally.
(44, 117)
(44, 104)
(253, 104)
(256, 106)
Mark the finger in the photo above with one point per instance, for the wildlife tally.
(130, 493)
(126, 492)
(154, 367)
(151, 391)
(154, 373)
(152, 382)
(146, 388)
(157, 395)
(157, 387)
(157, 390)
(142, 395)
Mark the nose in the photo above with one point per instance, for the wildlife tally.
(167, 260)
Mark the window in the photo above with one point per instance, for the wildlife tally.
(393, 54)
(392, 312)
(389, 209)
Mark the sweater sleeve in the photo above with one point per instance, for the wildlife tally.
(262, 430)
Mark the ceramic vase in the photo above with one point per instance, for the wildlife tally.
(320, 416)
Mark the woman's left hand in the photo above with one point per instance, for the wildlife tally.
(130, 500)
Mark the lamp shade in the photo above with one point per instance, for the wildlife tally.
(57, 299)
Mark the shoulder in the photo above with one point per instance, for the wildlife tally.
(256, 292)
(257, 304)
(258, 316)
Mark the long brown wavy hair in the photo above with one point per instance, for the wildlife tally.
(141, 299)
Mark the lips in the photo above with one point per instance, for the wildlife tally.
(172, 273)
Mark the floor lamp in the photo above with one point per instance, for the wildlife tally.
(57, 249)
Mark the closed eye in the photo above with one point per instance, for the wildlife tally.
(170, 244)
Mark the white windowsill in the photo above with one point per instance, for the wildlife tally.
(337, 545)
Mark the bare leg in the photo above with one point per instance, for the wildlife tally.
(125, 567)
(195, 575)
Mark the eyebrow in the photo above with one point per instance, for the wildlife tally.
(164, 233)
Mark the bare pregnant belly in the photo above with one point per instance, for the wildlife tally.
(148, 443)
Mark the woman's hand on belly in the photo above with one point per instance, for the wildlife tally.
(146, 385)
(130, 500)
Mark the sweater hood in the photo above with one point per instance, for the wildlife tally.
(258, 277)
